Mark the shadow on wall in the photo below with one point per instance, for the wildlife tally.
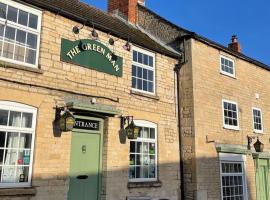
(116, 186)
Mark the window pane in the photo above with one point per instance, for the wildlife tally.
(138, 159)
(2, 139)
(145, 59)
(132, 159)
(8, 175)
(21, 37)
(2, 28)
(134, 71)
(10, 34)
(33, 20)
(12, 14)
(23, 18)
(139, 72)
(152, 171)
(132, 147)
(138, 172)
(151, 61)
(134, 85)
(139, 147)
(3, 117)
(152, 148)
(150, 87)
(152, 133)
(11, 157)
(25, 141)
(132, 172)
(31, 41)
(30, 56)
(3, 10)
(12, 140)
(135, 57)
(8, 50)
(22, 174)
(19, 53)
(139, 82)
(145, 74)
(15, 119)
(27, 120)
(145, 85)
(1, 156)
(140, 57)
(150, 75)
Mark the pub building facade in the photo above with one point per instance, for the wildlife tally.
(88, 105)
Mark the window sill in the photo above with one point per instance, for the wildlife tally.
(228, 75)
(31, 191)
(144, 184)
(231, 128)
(144, 95)
(6, 64)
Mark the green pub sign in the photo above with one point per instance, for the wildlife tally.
(91, 54)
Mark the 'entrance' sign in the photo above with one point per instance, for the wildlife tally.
(91, 54)
(86, 124)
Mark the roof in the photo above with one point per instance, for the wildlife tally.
(188, 34)
(88, 15)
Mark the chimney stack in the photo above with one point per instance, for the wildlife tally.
(128, 8)
(234, 45)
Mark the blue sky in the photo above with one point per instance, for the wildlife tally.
(218, 20)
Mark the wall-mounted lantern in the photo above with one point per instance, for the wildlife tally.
(258, 145)
(132, 131)
(66, 120)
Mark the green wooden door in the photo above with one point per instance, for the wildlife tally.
(85, 164)
(262, 179)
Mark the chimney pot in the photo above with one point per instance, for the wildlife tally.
(234, 45)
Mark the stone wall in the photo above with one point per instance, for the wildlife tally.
(209, 88)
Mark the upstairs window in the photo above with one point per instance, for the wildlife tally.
(257, 120)
(143, 71)
(230, 115)
(19, 33)
(227, 66)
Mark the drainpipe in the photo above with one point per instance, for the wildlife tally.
(177, 69)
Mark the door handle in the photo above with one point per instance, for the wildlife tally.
(82, 177)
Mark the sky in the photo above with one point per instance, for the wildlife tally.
(218, 20)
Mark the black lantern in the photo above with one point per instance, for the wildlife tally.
(132, 131)
(258, 146)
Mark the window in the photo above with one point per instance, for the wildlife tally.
(143, 71)
(233, 180)
(230, 115)
(257, 120)
(19, 33)
(143, 153)
(227, 66)
(17, 131)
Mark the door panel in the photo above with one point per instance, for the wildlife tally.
(262, 179)
(85, 164)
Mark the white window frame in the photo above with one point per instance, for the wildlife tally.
(21, 27)
(233, 158)
(148, 124)
(13, 106)
(223, 118)
(140, 50)
(256, 130)
(224, 72)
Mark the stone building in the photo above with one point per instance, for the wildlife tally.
(224, 111)
(88, 104)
